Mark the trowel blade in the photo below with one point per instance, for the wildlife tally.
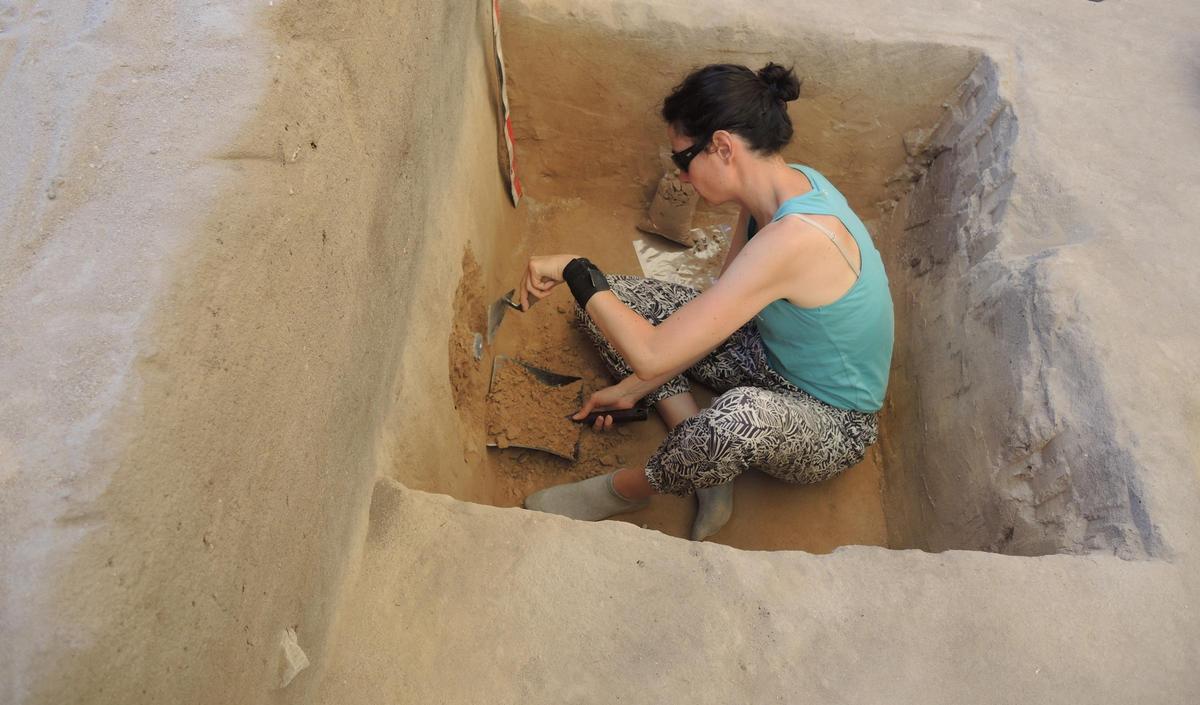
(496, 313)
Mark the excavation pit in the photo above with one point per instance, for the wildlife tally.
(237, 234)
(919, 139)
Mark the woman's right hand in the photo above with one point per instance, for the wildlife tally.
(618, 396)
(542, 274)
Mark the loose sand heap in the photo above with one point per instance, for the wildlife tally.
(523, 411)
(466, 372)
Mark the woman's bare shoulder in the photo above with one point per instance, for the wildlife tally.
(789, 236)
(811, 269)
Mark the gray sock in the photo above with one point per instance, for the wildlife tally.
(588, 500)
(716, 506)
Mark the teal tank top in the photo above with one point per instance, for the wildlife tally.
(840, 353)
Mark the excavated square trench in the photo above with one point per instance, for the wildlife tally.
(919, 139)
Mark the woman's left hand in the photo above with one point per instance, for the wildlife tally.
(542, 274)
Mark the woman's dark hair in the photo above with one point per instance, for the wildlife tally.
(734, 98)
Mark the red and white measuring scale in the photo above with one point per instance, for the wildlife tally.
(514, 183)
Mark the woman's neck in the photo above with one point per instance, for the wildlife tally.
(767, 183)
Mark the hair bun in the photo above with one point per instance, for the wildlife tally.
(781, 81)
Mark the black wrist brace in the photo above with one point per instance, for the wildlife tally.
(584, 279)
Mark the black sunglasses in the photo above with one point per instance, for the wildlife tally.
(684, 157)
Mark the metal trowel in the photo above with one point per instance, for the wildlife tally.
(497, 310)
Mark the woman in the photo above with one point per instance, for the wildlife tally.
(795, 335)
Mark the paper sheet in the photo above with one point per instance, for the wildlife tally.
(696, 266)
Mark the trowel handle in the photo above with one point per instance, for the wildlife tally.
(513, 303)
(618, 415)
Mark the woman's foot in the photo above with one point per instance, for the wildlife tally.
(716, 506)
(587, 500)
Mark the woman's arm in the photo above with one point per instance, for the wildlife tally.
(738, 241)
(759, 275)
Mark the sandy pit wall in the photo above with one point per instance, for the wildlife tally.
(567, 612)
(229, 231)
(586, 102)
(1000, 432)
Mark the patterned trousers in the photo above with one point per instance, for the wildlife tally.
(759, 420)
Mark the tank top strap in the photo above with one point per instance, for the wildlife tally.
(833, 239)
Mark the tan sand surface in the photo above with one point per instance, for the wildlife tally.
(233, 235)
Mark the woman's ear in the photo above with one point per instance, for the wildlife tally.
(726, 144)
(723, 144)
